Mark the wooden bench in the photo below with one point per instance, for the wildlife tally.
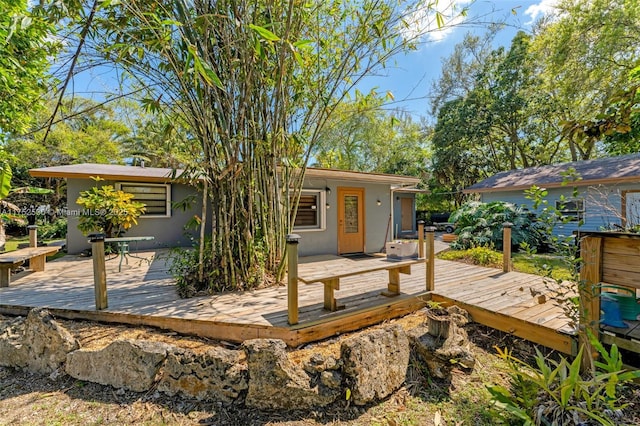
(328, 270)
(35, 255)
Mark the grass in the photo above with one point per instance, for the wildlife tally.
(12, 244)
(537, 264)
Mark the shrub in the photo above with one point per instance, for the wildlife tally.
(481, 224)
(55, 229)
(107, 210)
(484, 256)
(556, 393)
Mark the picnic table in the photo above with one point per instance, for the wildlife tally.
(329, 269)
(123, 244)
(35, 255)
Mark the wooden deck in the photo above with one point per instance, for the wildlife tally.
(144, 294)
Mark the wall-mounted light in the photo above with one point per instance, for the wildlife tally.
(378, 202)
(328, 190)
(328, 206)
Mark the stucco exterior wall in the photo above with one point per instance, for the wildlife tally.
(376, 217)
(167, 231)
(602, 204)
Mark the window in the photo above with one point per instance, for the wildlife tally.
(571, 209)
(311, 211)
(155, 197)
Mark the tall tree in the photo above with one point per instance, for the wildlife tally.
(254, 82)
(362, 136)
(26, 42)
(587, 52)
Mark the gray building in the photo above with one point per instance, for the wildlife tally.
(340, 211)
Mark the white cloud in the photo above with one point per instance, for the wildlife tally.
(545, 7)
(422, 22)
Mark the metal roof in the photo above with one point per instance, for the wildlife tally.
(154, 174)
(600, 171)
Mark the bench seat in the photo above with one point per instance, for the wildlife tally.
(35, 255)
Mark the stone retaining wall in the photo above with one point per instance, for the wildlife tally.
(372, 365)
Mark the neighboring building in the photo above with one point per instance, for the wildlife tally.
(608, 191)
(340, 211)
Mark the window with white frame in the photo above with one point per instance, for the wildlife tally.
(156, 197)
(572, 209)
(311, 213)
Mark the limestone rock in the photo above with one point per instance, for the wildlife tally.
(276, 383)
(47, 343)
(219, 374)
(128, 364)
(375, 363)
(12, 352)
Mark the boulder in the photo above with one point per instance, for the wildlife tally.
(218, 374)
(375, 363)
(127, 364)
(46, 342)
(277, 383)
(12, 352)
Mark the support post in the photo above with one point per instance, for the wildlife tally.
(99, 270)
(421, 239)
(33, 235)
(590, 277)
(506, 246)
(430, 267)
(292, 278)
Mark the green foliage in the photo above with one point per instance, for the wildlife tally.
(481, 224)
(555, 392)
(26, 42)
(484, 256)
(185, 270)
(107, 210)
(361, 136)
(55, 229)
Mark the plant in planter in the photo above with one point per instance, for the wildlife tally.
(108, 210)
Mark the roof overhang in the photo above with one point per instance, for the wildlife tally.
(352, 176)
(589, 182)
(153, 174)
(108, 172)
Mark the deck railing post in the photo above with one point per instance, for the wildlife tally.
(506, 246)
(99, 270)
(292, 278)
(421, 239)
(33, 235)
(430, 267)
(590, 275)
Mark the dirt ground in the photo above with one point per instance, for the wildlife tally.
(30, 399)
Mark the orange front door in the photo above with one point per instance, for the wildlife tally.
(350, 220)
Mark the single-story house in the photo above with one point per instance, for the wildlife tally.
(608, 191)
(339, 212)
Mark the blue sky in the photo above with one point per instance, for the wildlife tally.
(409, 78)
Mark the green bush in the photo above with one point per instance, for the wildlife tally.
(55, 229)
(107, 210)
(557, 393)
(484, 256)
(481, 224)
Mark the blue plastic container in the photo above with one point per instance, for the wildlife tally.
(611, 313)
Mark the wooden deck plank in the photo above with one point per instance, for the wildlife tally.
(144, 294)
